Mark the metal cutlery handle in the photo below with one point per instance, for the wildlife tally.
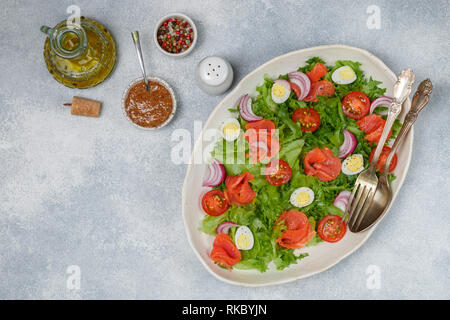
(137, 44)
(402, 89)
(419, 101)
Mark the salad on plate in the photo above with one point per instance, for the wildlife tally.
(286, 161)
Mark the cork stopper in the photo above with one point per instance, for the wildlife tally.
(85, 107)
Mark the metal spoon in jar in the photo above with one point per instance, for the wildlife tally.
(383, 193)
(137, 43)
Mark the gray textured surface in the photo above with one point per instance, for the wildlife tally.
(100, 194)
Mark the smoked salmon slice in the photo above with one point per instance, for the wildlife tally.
(298, 230)
(373, 125)
(322, 164)
(261, 125)
(239, 191)
(261, 139)
(317, 72)
(224, 252)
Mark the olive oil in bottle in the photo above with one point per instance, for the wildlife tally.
(79, 56)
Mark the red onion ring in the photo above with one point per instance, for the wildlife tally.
(224, 227)
(215, 174)
(245, 109)
(341, 199)
(348, 145)
(381, 101)
(302, 81)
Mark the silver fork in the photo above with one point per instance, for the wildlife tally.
(367, 181)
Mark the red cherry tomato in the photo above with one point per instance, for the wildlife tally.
(214, 203)
(308, 117)
(330, 228)
(355, 105)
(382, 159)
(278, 172)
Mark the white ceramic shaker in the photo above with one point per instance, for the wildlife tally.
(214, 75)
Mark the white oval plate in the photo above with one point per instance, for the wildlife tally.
(323, 255)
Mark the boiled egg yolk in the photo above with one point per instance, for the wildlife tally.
(278, 90)
(230, 129)
(303, 199)
(346, 73)
(243, 241)
(354, 163)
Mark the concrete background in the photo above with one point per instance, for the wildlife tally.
(103, 195)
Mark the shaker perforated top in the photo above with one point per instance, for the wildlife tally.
(214, 75)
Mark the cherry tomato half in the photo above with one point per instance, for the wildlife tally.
(278, 172)
(382, 159)
(214, 203)
(355, 105)
(308, 117)
(330, 228)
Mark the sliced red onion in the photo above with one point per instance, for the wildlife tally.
(341, 199)
(349, 144)
(224, 227)
(245, 109)
(303, 82)
(381, 101)
(215, 174)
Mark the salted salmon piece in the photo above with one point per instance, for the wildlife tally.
(261, 125)
(323, 176)
(261, 138)
(322, 164)
(311, 233)
(299, 231)
(235, 181)
(320, 88)
(317, 72)
(242, 196)
(293, 219)
(262, 143)
(370, 123)
(375, 136)
(314, 156)
(373, 125)
(224, 252)
(331, 166)
(239, 191)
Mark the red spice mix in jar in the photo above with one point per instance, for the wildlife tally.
(149, 108)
